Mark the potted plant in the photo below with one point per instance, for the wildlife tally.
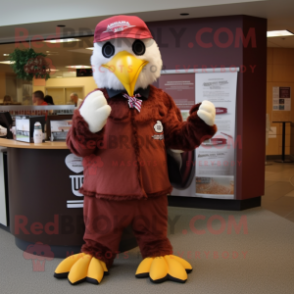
(28, 64)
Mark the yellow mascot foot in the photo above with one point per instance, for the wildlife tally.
(81, 267)
(160, 269)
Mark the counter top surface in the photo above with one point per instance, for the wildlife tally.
(24, 145)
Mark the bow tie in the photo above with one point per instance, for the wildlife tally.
(133, 101)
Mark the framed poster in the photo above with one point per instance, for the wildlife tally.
(3, 204)
(282, 98)
(214, 164)
(215, 158)
(181, 87)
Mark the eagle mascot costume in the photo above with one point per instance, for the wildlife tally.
(123, 130)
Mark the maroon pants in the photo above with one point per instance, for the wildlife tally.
(106, 219)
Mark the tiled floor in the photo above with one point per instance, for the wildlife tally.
(279, 189)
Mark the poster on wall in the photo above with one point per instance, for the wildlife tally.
(214, 164)
(3, 206)
(282, 98)
(181, 87)
(215, 158)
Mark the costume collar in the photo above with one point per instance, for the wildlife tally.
(143, 92)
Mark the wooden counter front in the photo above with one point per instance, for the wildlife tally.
(24, 145)
(43, 188)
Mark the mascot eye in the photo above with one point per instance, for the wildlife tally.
(108, 50)
(139, 47)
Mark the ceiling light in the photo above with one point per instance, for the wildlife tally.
(90, 48)
(281, 33)
(78, 66)
(7, 62)
(5, 54)
(184, 14)
(62, 40)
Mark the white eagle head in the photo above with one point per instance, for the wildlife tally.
(125, 56)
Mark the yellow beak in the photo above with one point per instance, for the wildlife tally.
(127, 68)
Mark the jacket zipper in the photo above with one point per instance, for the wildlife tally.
(137, 150)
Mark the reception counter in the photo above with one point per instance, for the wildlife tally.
(23, 145)
(44, 203)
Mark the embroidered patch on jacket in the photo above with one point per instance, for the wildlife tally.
(158, 127)
(158, 137)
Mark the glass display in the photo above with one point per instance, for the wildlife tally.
(67, 62)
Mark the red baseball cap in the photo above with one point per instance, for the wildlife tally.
(121, 26)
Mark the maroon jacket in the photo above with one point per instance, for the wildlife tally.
(127, 158)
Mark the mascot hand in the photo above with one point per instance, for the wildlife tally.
(95, 111)
(206, 112)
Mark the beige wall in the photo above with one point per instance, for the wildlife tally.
(39, 88)
(280, 72)
(87, 83)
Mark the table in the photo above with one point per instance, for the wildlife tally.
(283, 160)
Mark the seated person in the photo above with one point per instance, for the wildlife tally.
(7, 100)
(38, 98)
(49, 100)
(74, 98)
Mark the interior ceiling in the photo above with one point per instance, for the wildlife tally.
(35, 11)
(278, 12)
